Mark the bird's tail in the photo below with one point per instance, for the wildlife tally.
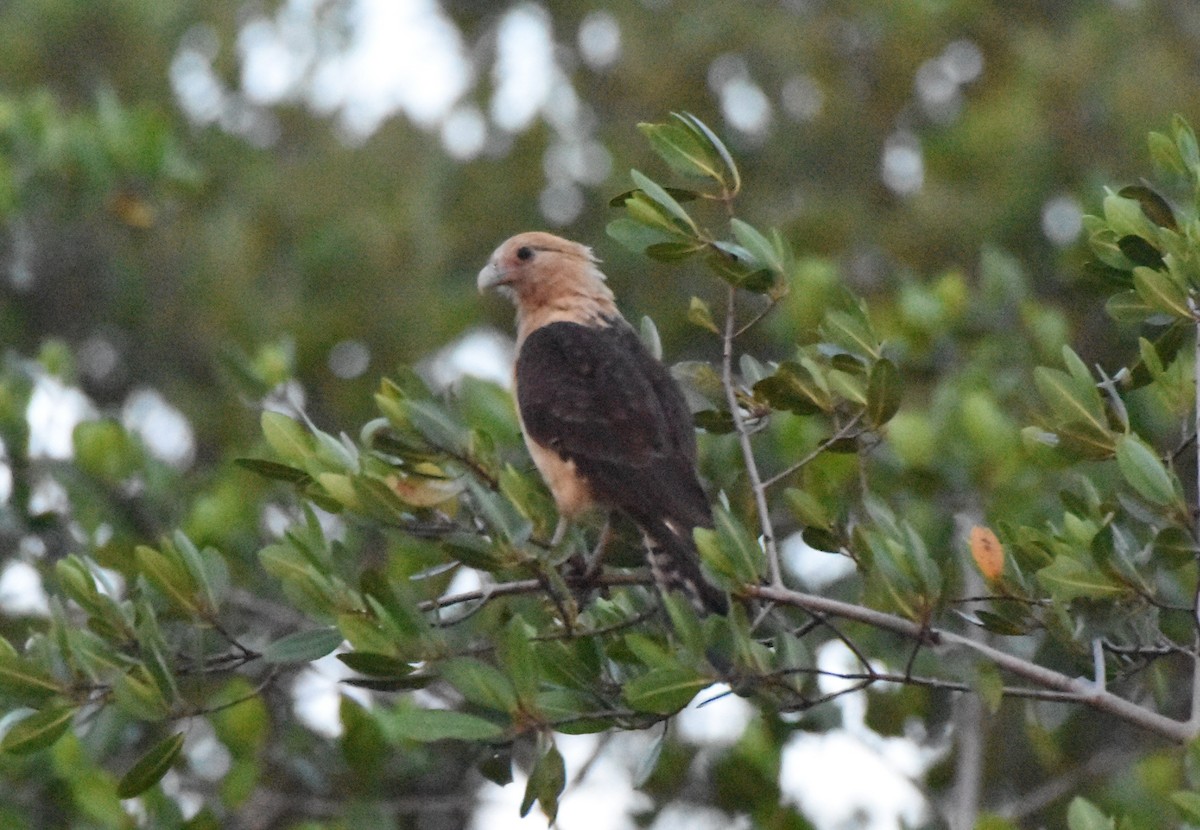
(675, 565)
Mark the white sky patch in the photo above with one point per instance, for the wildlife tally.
(464, 132)
(196, 85)
(348, 359)
(603, 801)
(599, 39)
(21, 591)
(483, 353)
(317, 695)
(53, 413)
(903, 165)
(274, 55)
(743, 103)
(745, 106)
(816, 569)
(525, 69)
(880, 794)
(163, 429)
(1062, 220)
(717, 723)
(404, 55)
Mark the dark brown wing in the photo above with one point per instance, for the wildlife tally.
(597, 397)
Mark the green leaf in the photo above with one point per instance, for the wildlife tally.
(649, 762)
(679, 193)
(636, 236)
(715, 421)
(810, 510)
(1141, 252)
(137, 693)
(1156, 208)
(1068, 578)
(497, 767)
(1188, 803)
(999, 624)
(883, 392)
(38, 731)
(1165, 154)
(659, 196)
(1128, 307)
(1174, 547)
(1144, 471)
(793, 388)
(480, 683)
(166, 572)
(648, 333)
(758, 245)
(429, 725)
(989, 685)
(664, 690)
(24, 680)
(273, 470)
(1125, 218)
(151, 767)
(547, 780)
(684, 622)
(206, 569)
(287, 437)
(1084, 815)
(516, 655)
(375, 664)
(303, 646)
(673, 251)
(706, 135)
(851, 331)
(683, 152)
(700, 315)
(1160, 292)
(104, 449)
(1071, 400)
(1185, 140)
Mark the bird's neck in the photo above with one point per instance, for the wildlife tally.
(592, 307)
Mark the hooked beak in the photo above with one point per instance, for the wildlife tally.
(491, 276)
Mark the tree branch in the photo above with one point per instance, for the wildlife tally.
(739, 424)
(1079, 689)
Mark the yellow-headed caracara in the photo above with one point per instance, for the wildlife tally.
(603, 419)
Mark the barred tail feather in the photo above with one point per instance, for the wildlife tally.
(675, 565)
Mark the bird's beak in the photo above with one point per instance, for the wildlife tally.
(490, 276)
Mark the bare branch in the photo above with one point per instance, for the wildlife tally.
(739, 424)
(523, 586)
(1079, 689)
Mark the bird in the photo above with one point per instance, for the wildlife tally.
(605, 423)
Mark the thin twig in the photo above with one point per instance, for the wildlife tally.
(841, 433)
(523, 586)
(229, 704)
(756, 319)
(739, 424)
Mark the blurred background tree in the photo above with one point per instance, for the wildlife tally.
(204, 206)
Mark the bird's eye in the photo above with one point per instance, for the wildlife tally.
(524, 253)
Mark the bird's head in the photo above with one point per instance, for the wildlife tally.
(538, 266)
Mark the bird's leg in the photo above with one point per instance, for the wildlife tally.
(580, 572)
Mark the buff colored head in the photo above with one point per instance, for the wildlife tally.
(538, 264)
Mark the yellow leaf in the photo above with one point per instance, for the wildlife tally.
(987, 552)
